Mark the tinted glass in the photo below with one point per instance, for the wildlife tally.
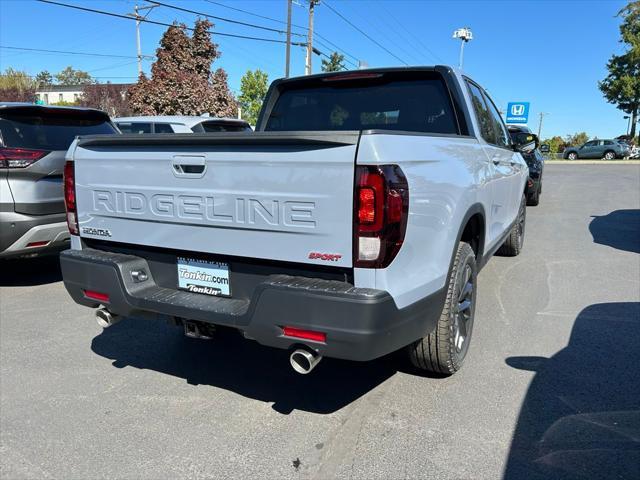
(222, 127)
(608, 142)
(502, 136)
(590, 144)
(50, 131)
(163, 128)
(135, 127)
(482, 114)
(386, 103)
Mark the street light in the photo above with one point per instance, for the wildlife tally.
(465, 35)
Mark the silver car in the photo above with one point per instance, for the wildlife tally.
(180, 124)
(33, 143)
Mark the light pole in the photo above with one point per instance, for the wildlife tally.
(465, 35)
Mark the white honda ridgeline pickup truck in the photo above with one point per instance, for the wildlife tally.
(352, 223)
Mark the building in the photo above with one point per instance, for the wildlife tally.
(51, 94)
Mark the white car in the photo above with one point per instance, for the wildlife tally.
(180, 124)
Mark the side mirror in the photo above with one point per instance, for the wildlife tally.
(525, 142)
(545, 148)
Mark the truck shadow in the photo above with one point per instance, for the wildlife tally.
(241, 366)
(23, 272)
(619, 229)
(581, 416)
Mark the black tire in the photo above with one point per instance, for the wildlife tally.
(609, 155)
(572, 156)
(534, 199)
(514, 242)
(443, 351)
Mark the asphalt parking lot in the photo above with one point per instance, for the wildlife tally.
(550, 388)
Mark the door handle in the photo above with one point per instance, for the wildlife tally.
(189, 166)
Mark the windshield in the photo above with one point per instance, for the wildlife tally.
(388, 102)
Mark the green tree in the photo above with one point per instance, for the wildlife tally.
(556, 144)
(17, 86)
(576, 139)
(253, 89)
(334, 64)
(69, 76)
(622, 86)
(182, 82)
(44, 78)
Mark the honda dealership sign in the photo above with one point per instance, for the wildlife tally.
(518, 112)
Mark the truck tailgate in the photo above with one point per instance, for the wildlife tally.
(268, 195)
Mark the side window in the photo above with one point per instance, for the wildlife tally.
(608, 142)
(163, 128)
(134, 127)
(482, 114)
(590, 144)
(502, 135)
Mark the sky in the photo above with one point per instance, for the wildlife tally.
(550, 53)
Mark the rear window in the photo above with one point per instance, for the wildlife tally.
(220, 127)
(50, 130)
(415, 103)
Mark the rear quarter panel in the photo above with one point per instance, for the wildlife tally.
(446, 177)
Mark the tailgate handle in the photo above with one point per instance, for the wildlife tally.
(189, 166)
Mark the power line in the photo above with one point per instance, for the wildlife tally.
(223, 19)
(326, 40)
(117, 15)
(416, 41)
(362, 32)
(65, 52)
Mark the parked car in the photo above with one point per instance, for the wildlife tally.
(180, 124)
(351, 224)
(535, 162)
(607, 149)
(33, 143)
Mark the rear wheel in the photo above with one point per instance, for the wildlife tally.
(609, 155)
(444, 350)
(572, 156)
(514, 242)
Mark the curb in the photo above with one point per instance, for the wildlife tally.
(592, 162)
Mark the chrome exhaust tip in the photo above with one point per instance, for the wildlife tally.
(303, 361)
(105, 318)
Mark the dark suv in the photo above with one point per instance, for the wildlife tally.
(33, 143)
(607, 149)
(535, 162)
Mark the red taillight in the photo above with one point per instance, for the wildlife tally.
(70, 197)
(100, 297)
(19, 157)
(304, 334)
(382, 208)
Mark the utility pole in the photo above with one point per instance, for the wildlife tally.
(139, 19)
(542, 114)
(307, 68)
(286, 69)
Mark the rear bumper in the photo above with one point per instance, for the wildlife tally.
(360, 323)
(32, 234)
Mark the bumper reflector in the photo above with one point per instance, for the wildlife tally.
(304, 334)
(37, 244)
(101, 297)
